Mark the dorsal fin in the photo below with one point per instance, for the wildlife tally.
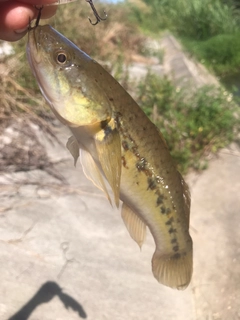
(135, 226)
(186, 197)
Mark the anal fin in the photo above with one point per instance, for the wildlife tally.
(135, 226)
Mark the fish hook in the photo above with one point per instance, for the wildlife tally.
(95, 13)
(39, 15)
(37, 20)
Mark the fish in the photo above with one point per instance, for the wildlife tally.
(119, 147)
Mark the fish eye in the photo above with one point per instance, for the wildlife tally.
(61, 57)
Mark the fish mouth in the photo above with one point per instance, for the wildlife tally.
(34, 49)
(35, 55)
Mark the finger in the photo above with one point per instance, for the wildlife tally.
(15, 17)
(36, 2)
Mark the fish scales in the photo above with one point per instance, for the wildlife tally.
(117, 142)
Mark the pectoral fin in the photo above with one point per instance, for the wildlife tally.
(108, 146)
(73, 147)
(92, 172)
(134, 224)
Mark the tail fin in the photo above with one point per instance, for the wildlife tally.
(174, 271)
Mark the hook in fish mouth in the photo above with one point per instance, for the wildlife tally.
(39, 15)
(96, 14)
(37, 20)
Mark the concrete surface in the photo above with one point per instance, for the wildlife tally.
(55, 235)
(65, 253)
(70, 235)
(182, 69)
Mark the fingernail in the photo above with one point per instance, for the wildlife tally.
(21, 30)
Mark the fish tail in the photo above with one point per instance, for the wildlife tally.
(175, 270)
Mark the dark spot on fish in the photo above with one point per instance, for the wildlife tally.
(152, 184)
(169, 222)
(111, 99)
(134, 149)
(172, 230)
(141, 165)
(160, 200)
(176, 256)
(163, 210)
(107, 130)
(137, 183)
(124, 163)
(174, 240)
(103, 123)
(176, 248)
(125, 145)
(96, 80)
(168, 211)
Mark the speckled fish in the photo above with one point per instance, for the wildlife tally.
(120, 145)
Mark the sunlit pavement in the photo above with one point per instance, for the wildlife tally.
(71, 236)
(65, 252)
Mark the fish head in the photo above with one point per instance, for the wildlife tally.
(60, 69)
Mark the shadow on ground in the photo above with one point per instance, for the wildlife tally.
(45, 294)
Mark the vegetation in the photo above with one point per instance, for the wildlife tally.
(193, 126)
(209, 28)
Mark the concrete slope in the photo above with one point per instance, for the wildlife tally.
(215, 217)
(56, 236)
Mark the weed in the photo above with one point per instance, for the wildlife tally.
(196, 19)
(193, 125)
(209, 28)
(220, 53)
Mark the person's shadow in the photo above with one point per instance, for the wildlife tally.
(45, 294)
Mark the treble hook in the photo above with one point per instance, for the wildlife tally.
(39, 15)
(95, 13)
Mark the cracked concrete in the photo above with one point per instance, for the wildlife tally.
(55, 235)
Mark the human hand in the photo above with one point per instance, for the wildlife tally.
(15, 16)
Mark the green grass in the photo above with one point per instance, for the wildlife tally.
(210, 29)
(196, 19)
(193, 126)
(220, 53)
